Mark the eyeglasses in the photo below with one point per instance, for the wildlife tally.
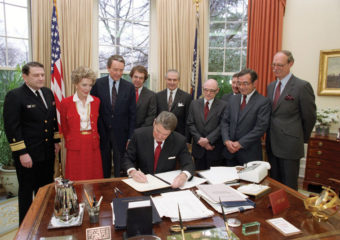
(209, 90)
(278, 65)
(243, 84)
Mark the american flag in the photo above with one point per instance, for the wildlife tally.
(57, 82)
(196, 77)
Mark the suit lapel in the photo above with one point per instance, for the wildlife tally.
(248, 106)
(106, 91)
(150, 151)
(141, 98)
(35, 99)
(201, 109)
(177, 99)
(213, 109)
(288, 87)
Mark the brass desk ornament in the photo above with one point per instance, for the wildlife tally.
(323, 206)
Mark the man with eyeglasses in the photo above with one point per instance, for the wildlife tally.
(158, 149)
(234, 88)
(174, 100)
(292, 120)
(204, 126)
(117, 114)
(245, 121)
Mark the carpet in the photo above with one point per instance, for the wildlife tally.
(9, 215)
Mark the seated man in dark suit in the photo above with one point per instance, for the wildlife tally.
(146, 106)
(234, 88)
(157, 149)
(244, 121)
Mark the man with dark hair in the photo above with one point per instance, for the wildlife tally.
(158, 149)
(117, 114)
(175, 100)
(234, 88)
(32, 131)
(145, 99)
(204, 126)
(292, 120)
(244, 122)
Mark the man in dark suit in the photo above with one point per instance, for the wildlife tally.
(32, 131)
(204, 126)
(175, 100)
(234, 88)
(245, 121)
(292, 120)
(145, 99)
(158, 149)
(117, 114)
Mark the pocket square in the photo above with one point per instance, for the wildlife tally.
(180, 104)
(170, 158)
(289, 97)
(31, 106)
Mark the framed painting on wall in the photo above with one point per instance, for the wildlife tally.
(329, 73)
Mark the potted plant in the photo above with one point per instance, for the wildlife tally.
(8, 81)
(324, 119)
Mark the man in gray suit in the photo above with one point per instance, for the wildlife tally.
(204, 126)
(245, 121)
(146, 106)
(292, 120)
(234, 88)
(175, 100)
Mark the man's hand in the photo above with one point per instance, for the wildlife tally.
(26, 160)
(209, 147)
(138, 176)
(230, 146)
(203, 142)
(179, 180)
(236, 145)
(56, 148)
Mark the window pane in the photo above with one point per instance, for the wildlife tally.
(17, 51)
(233, 36)
(217, 10)
(215, 60)
(2, 20)
(16, 21)
(2, 52)
(140, 11)
(141, 35)
(216, 34)
(244, 58)
(140, 56)
(17, 2)
(235, 10)
(232, 60)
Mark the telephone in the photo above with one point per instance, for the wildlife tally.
(254, 171)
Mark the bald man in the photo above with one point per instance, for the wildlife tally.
(204, 125)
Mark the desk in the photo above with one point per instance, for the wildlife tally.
(36, 221)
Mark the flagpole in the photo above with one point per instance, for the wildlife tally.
(198, 46)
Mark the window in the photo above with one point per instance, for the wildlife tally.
(124, 30)
(227, 40)
(14, 32)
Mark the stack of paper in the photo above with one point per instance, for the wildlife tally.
(190, 206)
(212, 193)
(170, 176)
(217, 175)
(152, 184)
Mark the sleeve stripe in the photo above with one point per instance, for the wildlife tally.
(17, 146)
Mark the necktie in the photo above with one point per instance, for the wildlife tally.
(40, 98)
(170, 101)
(157, 153)
(137, 96)
(114, 95)
(206, 110)
(244, 103)
(277, 94)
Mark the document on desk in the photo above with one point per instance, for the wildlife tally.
(217, 192)
(171, 175)
(152, 184)
(190, 206)
(217, 175)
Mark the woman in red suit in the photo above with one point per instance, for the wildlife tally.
(79, 114)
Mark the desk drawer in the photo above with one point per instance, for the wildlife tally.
(324, 144)
(319, 176)
(332, 167)
(324, 153)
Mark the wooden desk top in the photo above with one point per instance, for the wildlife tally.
(36, 221)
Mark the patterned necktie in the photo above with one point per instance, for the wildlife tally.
(277, 94)
(206, 110)
(170, 101)
(114, 95)
(157, 153)
(137, 96)
(40, 98)
(244, 103)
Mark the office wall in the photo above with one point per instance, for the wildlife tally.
(310, 26)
